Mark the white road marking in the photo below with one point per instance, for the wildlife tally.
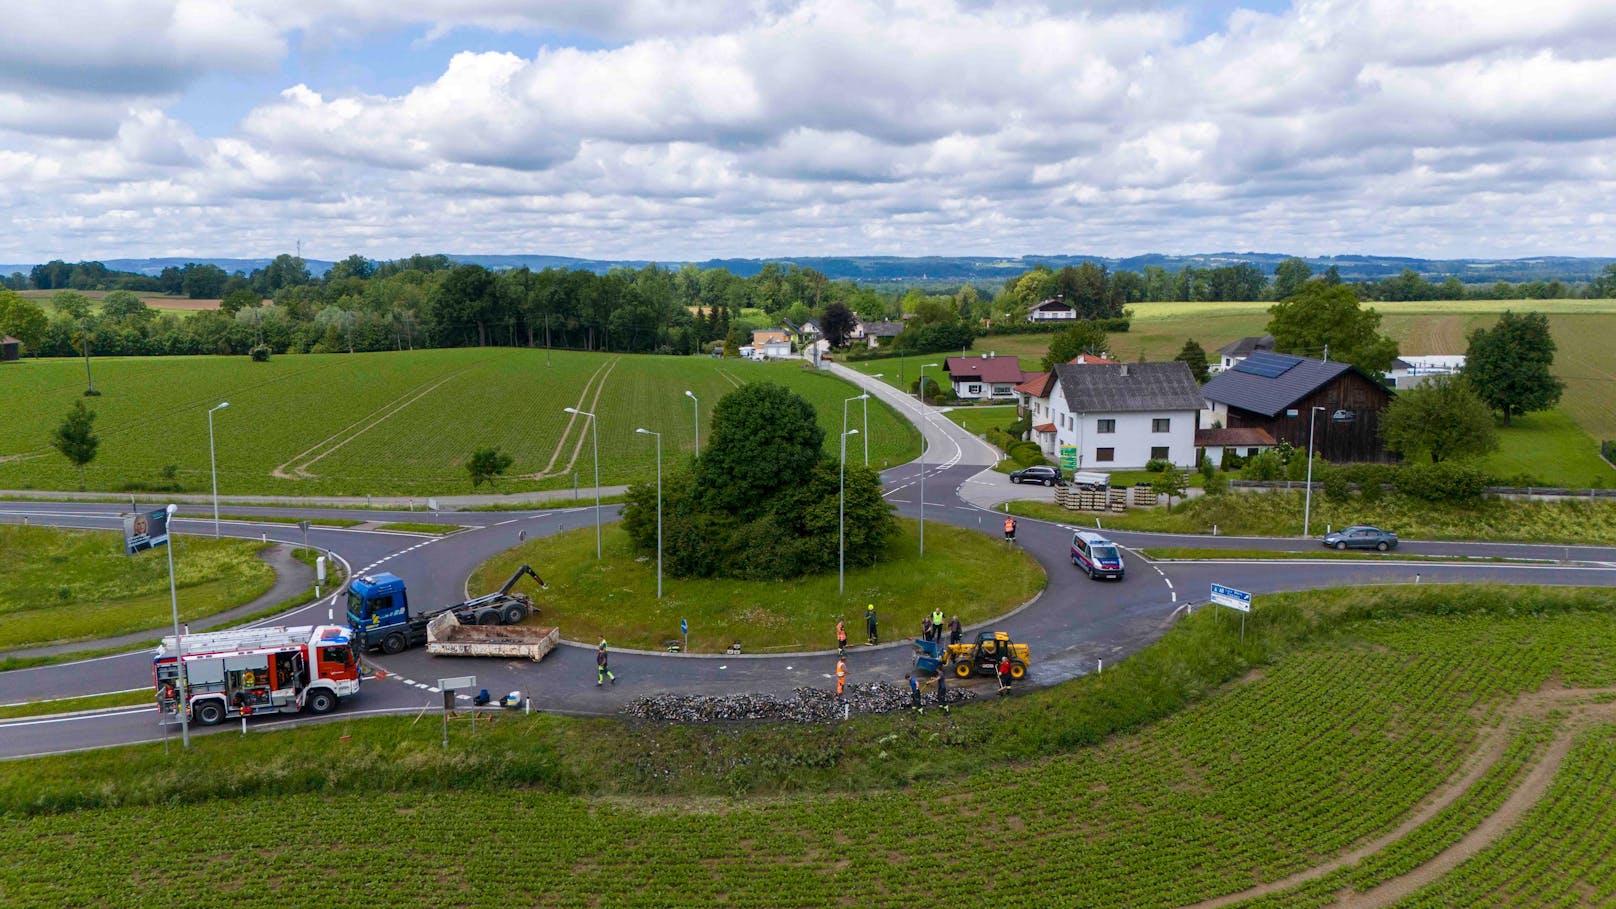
(1169, 581)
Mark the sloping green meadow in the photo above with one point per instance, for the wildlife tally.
(388, 423)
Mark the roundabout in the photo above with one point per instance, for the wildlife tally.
(1073, 626)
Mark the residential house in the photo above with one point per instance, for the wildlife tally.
(1091, 360)
(1407, 372)
(776, 349)
(1235, 351)
(1034, 400)
(10, 348)
(985, 377)
(877, 334)
(1279, 393)
(1051, 310)
(1246, 442)
(763, 336)
(1120, 416)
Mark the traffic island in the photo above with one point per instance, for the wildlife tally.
(963, 573)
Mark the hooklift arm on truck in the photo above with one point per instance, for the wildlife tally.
(505, 591)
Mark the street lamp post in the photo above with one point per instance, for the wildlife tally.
(183, 701)
(841, 518)
(594, 434)
(697, 402)
(925, 417)
(658, 435)
(213, 466)
(1307, 507)
(845, 402)
(867, 423)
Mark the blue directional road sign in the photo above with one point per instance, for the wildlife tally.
(1234, 599)
(684, 627)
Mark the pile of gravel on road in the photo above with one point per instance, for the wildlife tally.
(804, 705)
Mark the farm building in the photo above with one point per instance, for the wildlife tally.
(1407, 372)
(10, 349)
(1279, 393)
(1246, 442)
(1235, 351)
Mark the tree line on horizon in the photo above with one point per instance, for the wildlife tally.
(430, 301)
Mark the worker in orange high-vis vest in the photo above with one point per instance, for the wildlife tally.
(1009, 530)
(841, 638)
(841, 676)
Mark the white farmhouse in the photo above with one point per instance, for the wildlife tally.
(1118, 417)
(1407, 372)
(1051, 310)
(985, 377)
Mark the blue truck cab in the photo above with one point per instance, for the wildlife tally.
(379, 613)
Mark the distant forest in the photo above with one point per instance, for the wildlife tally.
(431, 301)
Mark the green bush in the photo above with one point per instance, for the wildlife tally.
(1608, 449)
(1454, 483)
(1371, 479)
(1265, 467)
(1157, 465)
(1231, 460)
(260, 353)
(1217, 484)
(1337, 488)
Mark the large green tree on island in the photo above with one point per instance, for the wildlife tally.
(1508, 365)
(761, 500)
(1322, 317)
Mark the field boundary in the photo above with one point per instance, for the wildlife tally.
(1524, 795)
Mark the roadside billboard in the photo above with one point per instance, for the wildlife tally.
(145, 530)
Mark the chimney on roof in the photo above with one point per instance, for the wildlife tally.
(1124, 371)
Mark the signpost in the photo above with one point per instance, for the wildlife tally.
(684, 629)
(1238, 600)
(449, 687)
(1068, 457)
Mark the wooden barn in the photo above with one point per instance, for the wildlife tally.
(1278, 393)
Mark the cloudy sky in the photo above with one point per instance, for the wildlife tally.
(688, 129)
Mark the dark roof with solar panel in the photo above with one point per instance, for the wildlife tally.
(1267, 383)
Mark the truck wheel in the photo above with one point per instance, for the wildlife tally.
(963, 669)
(1018, 669)
(320, 700)
(394, 643)
(208, 713)
(488, 617)
(514, 614)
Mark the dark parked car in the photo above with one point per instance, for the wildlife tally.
(1361, 536)
(1049, 476)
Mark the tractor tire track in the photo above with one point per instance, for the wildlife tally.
(1489, 750)
(297, 467)
(597, 381)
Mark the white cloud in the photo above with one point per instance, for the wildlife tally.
(830, 126)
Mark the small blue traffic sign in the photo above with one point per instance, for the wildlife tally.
(684, 627)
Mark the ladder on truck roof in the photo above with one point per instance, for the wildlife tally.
(240, 639)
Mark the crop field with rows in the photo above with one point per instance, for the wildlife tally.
(398, 423)
(1283, 771)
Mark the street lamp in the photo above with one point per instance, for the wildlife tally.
(658, 435)
(594, 433)
(696, 401)
(179, 643)
(1307, 507)
(925, 416)
(841, 518)
(867, 423)
(213, 465)
(846, 402)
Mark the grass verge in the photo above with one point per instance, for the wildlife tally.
(77, 585)
(71, 705)
(586, 501)
(973, 575)
(1279, 513)
(1171, 554)
(413, 527)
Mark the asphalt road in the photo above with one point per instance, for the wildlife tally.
(1072, 625)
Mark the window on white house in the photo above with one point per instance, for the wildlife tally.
(1107, 426)
(1161, 424)
(973, 389)
(1159, 453)
(1105, 454)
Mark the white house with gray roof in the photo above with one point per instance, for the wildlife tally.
(1119, 416)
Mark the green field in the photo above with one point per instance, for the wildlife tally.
(77, 585)
(979, 420)
(1359, 736)
(391, 423)
(976, 576)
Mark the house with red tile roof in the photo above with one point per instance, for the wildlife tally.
(985, 377)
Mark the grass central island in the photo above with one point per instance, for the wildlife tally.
(967, 573)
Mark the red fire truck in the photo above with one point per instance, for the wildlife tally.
(257, 670)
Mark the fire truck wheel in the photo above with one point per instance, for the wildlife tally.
(393, 643)
(321, 700)
(208, 713)
(514, 614)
